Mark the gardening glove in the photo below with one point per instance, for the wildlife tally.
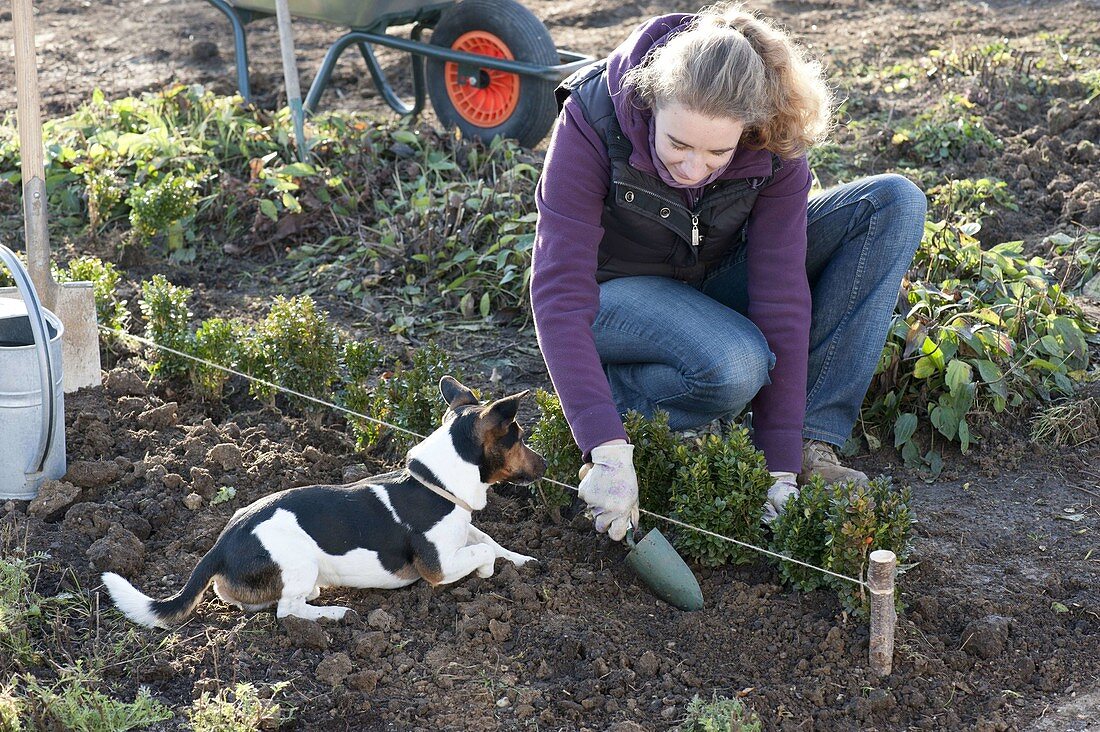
(609, 486)
(784, 489)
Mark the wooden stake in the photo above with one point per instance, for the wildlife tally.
(880, 578)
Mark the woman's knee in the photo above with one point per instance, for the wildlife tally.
(897, 193)
(900, 207)
(733, 380)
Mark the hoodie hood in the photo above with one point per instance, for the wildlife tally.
(636, 121)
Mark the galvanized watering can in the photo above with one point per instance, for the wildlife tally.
(32, 400)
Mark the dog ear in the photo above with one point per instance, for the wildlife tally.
(455, 393)
(503, 411)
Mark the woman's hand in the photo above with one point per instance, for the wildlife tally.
(609, 486)
(784, 489)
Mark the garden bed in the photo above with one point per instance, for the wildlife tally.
(1001, 628)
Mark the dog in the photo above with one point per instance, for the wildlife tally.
(383, 532)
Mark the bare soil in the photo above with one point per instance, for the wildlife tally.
(1002, 630)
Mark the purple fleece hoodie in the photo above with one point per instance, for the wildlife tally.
(566, 298)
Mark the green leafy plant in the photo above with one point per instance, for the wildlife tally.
(985, 331)
(1080, 253)
(73, 703)
(16, 611)
(551, 437)
(11, 709)
(407, 397)
(655, 454)
(296, 347)
(241, 708)
(720, 714)
(970, 200)
(945, 132)
(225, 494)
(472, 219)
(111, 311)
(836, 527)
(363, 360)
(802, 531)
(218, 341)
(167, 323)
(104, 192)
(720, 485)
(159, 206)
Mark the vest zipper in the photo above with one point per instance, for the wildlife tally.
(695, 238)
(659, 197)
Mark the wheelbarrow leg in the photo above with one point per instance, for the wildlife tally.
(240, 47)
(317, 88)
(324, 74)
(383, 84)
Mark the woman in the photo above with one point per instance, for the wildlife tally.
(679, 264)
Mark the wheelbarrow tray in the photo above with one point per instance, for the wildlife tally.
(357, 14)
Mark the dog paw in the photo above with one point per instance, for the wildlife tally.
(521, 559)
(486, 570)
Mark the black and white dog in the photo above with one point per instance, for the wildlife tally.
(384, 532)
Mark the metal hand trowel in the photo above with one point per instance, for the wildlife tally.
(660, 567)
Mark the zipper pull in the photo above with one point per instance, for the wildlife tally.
(695, 231)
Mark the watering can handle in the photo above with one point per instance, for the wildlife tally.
(41, 343)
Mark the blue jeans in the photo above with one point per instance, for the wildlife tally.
(689, 349)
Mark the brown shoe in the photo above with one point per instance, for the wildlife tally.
(819, 458)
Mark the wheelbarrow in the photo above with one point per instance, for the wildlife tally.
(491, 64)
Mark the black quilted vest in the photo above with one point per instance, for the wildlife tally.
(648, 228)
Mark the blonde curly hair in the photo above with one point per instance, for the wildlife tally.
(732, 63)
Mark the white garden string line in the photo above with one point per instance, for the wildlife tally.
(345, 410)
(762, 550)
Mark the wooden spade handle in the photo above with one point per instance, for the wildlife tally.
(30, 153)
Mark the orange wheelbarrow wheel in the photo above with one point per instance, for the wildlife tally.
(485, 103)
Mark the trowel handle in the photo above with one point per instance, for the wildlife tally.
(37, 320)
(630, 529)
(32, 166)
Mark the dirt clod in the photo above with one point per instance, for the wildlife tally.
(334, 669)
(303, 633)
(227, 455)
(364, 681)
(372, 645)
(379, 619)
(119, 551)
(500, 631)
(159, 417)
(53, 500)
(123, 382)
(204, 51)
(647, 664)
(92, 473)
(986, 637)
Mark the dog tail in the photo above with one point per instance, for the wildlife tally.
(144, 610)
